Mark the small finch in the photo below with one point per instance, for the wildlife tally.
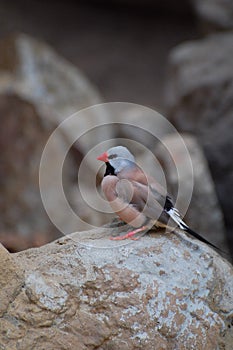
(138, 199)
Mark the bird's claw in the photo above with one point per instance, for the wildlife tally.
(129, 235)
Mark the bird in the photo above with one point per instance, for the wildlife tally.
(138, 199)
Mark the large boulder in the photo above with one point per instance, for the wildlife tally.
(84, 291)
(22, 141)
(38, 90)
(32, 70)
(199, 97)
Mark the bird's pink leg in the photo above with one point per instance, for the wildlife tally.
(129, 234)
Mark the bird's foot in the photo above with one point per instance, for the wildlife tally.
(130, 234)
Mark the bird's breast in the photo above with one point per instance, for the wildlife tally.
(109, 187)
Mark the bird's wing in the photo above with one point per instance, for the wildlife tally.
(144, 200)
(134, 202)
(154, 202)
(119, 193)
(146, 187)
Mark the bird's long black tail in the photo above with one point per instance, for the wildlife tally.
(175, 215)
(196, 235)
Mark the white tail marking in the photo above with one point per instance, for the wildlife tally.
(175, 215)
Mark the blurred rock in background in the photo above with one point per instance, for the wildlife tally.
(22, 138)
(32, 70)
(121, 46)
(199, 97)
(203, 218)
(214, 14)
(38, 89)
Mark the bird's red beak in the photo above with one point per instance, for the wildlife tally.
(103, 157)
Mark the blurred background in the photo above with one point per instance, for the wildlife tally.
(59, 57)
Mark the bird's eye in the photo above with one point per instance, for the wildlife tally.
(112, 156)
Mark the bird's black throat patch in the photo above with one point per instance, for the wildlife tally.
(109, 169)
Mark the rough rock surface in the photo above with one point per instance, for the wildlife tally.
(205, 219)
(200, 100)
(11, 279)
(87, 292)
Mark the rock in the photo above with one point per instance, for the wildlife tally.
(203, 218)
(14, 241)
(33, 71)
(11, 279)
(214, 14)
(200, 100)
(85, 291)
(22, 140)
(23, 218)
(38, 90)
(39, 74)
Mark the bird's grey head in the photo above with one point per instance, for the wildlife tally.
(119, 157)
(120, 152)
